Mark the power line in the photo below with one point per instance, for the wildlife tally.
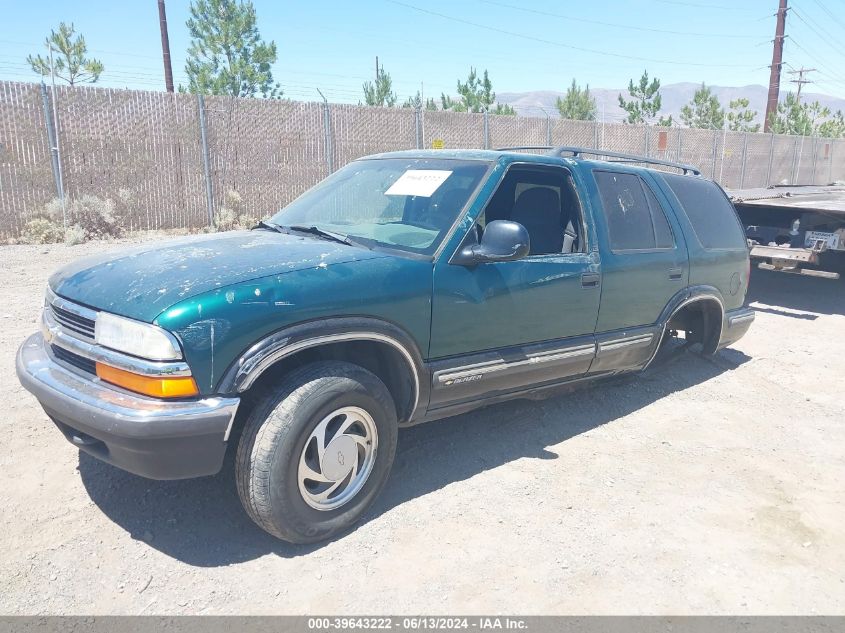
(120, 73)
(815, 58)
(819, 31)
(830, 13)
(819, 25)
(560, 44)
(811, 56)
(290, 89)
(278, 69)
(613, 24)
(699, 5)
(25, 69)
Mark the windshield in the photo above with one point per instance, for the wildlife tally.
(408, 204)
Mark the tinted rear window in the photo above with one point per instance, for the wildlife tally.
(635, 219)
(662, 232)
(711, 214)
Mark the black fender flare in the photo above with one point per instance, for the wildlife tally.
(688, 295)
(263, 354)
(683, 298)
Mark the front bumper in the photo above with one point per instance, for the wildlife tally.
(149, 437)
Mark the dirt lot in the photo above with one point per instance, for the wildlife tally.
(699, 487)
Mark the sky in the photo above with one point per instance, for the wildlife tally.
(429, 44)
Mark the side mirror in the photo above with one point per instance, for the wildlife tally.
(502, 241)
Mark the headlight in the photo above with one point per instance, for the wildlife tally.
(133, 337)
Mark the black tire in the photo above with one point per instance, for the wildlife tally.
(274, 437)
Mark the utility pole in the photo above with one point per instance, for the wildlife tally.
(801, 81)
(422, 112)
(376, 70)
(777, 63)
(56, 135)
(165, 46)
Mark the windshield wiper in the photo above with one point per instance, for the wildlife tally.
(314, 230)
(262, 224)
(329, 235)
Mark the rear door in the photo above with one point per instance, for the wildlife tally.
(644, 264)
(717, 246)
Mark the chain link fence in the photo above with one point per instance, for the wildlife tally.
(172, 159)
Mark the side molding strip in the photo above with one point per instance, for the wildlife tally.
(634, 341)
(488, 367)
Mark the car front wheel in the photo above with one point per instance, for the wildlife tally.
(316, 451)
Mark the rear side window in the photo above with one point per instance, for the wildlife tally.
(662, 232)
(635, 219)
(709, 211)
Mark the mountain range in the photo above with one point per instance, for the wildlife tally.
(674, 97)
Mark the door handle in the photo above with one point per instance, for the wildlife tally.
(676, 274)
(590, 280)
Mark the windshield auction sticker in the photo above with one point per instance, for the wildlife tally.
(418, 182)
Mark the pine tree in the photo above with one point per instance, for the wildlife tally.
(69, 58)
(577, 104)
(740, 118)
(703, 111)
(833, 127)
(413, 102)
(227, 55)
(430, 104)
(380, 92)
(448, 103)
(476, 96)
(794, 117)
(645, 100)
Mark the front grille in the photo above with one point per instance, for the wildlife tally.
(73, 322)
(80, 362)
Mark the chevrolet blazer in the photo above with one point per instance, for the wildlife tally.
(405, 287)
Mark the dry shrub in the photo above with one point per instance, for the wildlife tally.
(96, 216)
(46, 225)
(75, 235)
(232, 200)
(41, 230)
(88, 218)
(231, 217)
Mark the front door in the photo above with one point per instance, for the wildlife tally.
(500, 327)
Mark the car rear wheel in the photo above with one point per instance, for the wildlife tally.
(316, 451)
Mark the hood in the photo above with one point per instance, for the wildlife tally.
(141, 282)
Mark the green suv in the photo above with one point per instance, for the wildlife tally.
(405, 287)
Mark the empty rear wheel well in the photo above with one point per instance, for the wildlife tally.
(701, 320)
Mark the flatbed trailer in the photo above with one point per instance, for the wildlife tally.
(795, 229)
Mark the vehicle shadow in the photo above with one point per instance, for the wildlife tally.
(806, 296)
(200, 521)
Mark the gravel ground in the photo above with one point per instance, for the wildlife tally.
(705, 487)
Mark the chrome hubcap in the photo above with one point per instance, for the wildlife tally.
(338, 458)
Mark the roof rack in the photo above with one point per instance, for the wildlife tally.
(623, 158)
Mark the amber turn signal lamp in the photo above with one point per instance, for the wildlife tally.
(163, 387)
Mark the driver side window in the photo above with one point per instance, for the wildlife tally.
(543, 200)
